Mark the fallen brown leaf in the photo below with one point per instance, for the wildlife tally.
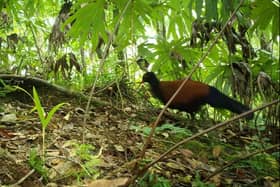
(108, 183)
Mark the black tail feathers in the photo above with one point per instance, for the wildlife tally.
(219, 100)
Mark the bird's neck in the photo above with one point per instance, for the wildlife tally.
(155, 88)
(154, 83)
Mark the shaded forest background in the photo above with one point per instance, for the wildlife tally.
(64, 42)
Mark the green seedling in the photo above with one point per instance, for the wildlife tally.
(44, 118)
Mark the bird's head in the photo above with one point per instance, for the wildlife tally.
(149, 77)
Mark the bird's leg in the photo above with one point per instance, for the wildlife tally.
(192, 116)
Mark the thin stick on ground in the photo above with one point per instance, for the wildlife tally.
(24, 178)
(148, 140)
(145, 168)
(104, 55)
(241, 158)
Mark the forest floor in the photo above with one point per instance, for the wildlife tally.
(112, 140)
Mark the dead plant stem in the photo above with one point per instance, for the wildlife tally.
(100, 69)
(148, 140)
(145, 168)
(239, 159)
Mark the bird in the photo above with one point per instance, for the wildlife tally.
(192, 96)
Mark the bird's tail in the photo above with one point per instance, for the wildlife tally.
(219, 100)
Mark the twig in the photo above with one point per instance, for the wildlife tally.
(148, 140)
(36, 44)
(23, 178)
(241, 158)
(105, 87)
(104, 55)
(145, 168)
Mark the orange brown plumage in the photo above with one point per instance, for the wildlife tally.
(193, 95)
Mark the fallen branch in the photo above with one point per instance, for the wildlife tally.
(24, 178)
(145, 168)
(241, 158)
(154, 125)
(27, 82)
(102, 61)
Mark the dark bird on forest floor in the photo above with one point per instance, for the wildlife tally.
(192, 96)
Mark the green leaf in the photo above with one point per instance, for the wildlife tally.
(266, 13)
(214, 74)
(275, 25)
(40, 109)
(226, 9)
(51, 113)
(198, 7)
(87, 19)
(211, 10)
(38, 106)
(37, 163)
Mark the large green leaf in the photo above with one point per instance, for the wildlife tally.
(137, 16)
(226, 8)
(211, 10)
(266, 13)
(198, 7)
(89, 19)
(38, 106)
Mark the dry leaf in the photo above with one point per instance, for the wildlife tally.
(177, 166)
(217, 151)
(216, 180)
(9, 118)
(64, 168)
(119, 148)
(187, 153)
(108, 183)
(165, 134)
(67, 116)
